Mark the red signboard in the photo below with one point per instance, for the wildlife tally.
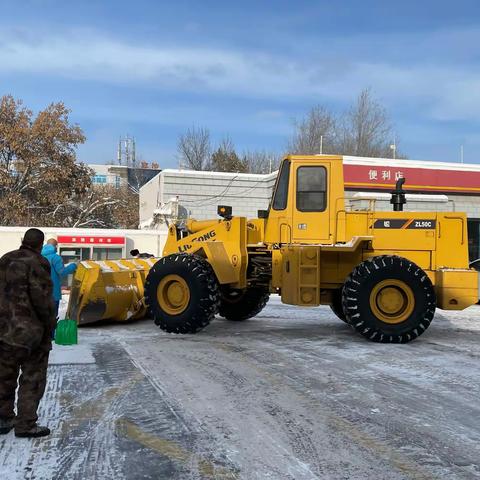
(91, 240)
(368, 177)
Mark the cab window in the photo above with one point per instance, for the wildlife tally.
(311, 189)
(281, 192)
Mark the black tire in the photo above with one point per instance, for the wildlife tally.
(337, 306)
(241, 305)
(359, 300)
(204, 295)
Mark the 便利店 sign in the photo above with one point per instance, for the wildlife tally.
(419, 179)
(91, 240)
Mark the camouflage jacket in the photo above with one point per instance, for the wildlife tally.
(27, 313)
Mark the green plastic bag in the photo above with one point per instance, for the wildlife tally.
(66, 332)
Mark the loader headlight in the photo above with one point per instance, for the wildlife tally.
(224, 211)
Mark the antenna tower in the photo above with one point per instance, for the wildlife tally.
(126, 151)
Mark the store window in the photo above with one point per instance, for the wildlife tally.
(110, 253)
(74, 254)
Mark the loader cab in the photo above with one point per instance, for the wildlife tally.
(307, 194)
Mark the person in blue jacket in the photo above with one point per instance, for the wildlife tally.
(58, 269)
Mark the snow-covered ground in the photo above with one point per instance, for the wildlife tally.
(291, 394)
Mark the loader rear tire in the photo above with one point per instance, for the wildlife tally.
(182, 294)
(389, 299)
(241, 305)
(337, 306)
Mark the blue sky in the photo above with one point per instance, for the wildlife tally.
(245, 69)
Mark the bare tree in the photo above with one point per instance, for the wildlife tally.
(225, 158)
(261, 161)
(365, 129)
(126, 211)
(99, 207)
(315, 133)
(90, 209)
(194, 148)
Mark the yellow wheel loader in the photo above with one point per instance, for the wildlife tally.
(383, 273)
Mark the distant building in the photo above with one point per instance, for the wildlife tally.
(120, 175)
(105, 176)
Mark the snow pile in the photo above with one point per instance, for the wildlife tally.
(168, 212)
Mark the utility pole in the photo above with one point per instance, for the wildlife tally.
(119, 151)
(461, 153)
(127, 151)
(134, 160)
(393, 147)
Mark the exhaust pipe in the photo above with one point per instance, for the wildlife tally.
(398, 199)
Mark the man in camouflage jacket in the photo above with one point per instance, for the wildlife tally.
(27, 320)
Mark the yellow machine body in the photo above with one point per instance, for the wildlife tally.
(222, 242)
(336, 239)
(436, 242)
(304, 248)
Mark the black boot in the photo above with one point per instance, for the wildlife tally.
(5, 425)
(35, 432)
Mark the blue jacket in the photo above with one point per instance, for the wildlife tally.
(59, 270)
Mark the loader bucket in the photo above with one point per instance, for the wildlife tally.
(109, 290)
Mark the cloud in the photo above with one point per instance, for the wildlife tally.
(447, 92)
(102, 59)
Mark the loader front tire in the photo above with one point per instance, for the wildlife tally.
(389, 299)
(241, 305)
(181, 292)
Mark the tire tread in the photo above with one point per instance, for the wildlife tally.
(357, 320)
(207, 306)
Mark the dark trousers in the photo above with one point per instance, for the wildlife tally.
(31, 384)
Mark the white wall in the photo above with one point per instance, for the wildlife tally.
(144, 240)
(150, 197)
(427, 203)
(201, 192)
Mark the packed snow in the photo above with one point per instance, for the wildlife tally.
(292, 394)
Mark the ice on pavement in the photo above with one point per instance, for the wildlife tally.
(71, 354)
